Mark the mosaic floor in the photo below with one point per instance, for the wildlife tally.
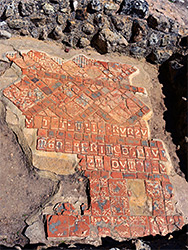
(88, 107)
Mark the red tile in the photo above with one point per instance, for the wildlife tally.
(117, 187)
(62, 124)
(123, 164)
(84, 147)
(46, 122)
(155, 153)
(140, 165)
(99, 162)
(107, 163)
(41, 144)
(68, 146)
(144, 133)
(50, 144)
(81, 227)
(131, 165)
(70, 125)
(76, 147)
(59, 145)
(167, 190)
(117, 150)
(155, 167)
(115, 164)
(29, 122)
(57, 225)
(153, 189)
(42, 132)
(139, 226)
(38, 122)
(162, 168)
(54, 123)
(90, 163)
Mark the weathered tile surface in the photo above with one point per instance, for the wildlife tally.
(88, 107)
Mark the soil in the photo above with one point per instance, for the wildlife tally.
(21, 189)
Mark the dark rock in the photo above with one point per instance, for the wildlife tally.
(11, 9)
(24, 32)
(111, 8)
(158, 22)
(38, 20)
(48, 9)
(35, 32)
(88, 28)
(62, 20)
(81, 14)
(169, 39)
(108, 41)
(101, 21)
(118, 1)
(84, 42)
(123, 24)
(137, 51)
(64, 6)
(174, 26)
(137, 8)
(139, 30)
(71, 40)
(17, 23)
(96, 5)
(57, 33)
(154, 39)
(159, 55)
(44, 33)
(54, 1)
(26, 8)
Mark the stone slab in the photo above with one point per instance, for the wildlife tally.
(88, 107)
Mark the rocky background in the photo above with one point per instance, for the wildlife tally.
(154, 30)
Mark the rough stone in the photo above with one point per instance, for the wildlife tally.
(154, 39)
(36, 233)
(158, 22)
(17, 23)
(48, 9)
(64, 6)
(111, 8)
(160, 55)
(5, 34)
(88, 28)
(140, 245)
(62, 20)
(169, 40)
(108, 40)
(137, 51)
(102, 21)
(58, 33)
(135, 8)
(96, 5)
(26, 8)
(11, 9)
(139, 30)
(3, 66)
(84, 42)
